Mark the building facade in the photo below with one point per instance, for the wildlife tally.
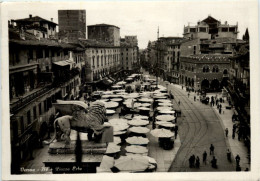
(39, 27)
(129, 56)
(40, 72)
(72, 25)
(204, 71)
(210, 43)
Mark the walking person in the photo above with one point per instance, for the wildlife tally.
(226, 131)
(211, 149)
(176, 131)
(214, 162)
(233, 133)
(188, 95)
(237, 159)
(194, 98)
(193, 160)
(197, 162)
(190, 161)
(205, 157)
(228, 155)
(179, 102)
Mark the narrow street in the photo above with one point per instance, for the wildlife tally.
(199, 126)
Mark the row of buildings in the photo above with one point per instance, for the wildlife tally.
(46, 65)
(208, 57)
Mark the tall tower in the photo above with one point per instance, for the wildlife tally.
(72, 25)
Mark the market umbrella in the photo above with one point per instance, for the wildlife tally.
(160, 97)
(138, 122)
(136, 149)
(116, 99)
(121, 93)
(143, 108)
(107, 163)
(140, 117)
(117, 121)
(165, 124)
(150, 160)
(110, 112)
(111, 104)
(118, 133)
(165, 104)
(145, 100)
(165, 118)
(137, 140)
(164, 108)
(116, 86)
(117, 140)
(108, 92)
(121, 83)
(120, 127)
(129, 104)
(131, 96)
(166, 112)
(164, 100)
(103, 100)
(146, 104)
(140, 130)
(119, 90)
(162, 133)
(112, 148)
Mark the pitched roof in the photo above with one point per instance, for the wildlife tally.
(95, 43)
(35, 19)
(210, 20)
(30, 39)
(103, 24)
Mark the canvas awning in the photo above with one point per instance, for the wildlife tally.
(62, 63)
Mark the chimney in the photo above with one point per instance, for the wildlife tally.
(51, 19)
(225, 22)
(30, 16)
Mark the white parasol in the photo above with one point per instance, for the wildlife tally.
(140, 130)
(162, 133)
(165, 118)
(136, 149)
(138, 122)
(137, 140)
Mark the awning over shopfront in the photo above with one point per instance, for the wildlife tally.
(61, 63)
(65, 63)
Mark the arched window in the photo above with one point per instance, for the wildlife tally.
(93, 61)
(225, 72)
(205, 69)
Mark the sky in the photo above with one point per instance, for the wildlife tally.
(144, 18)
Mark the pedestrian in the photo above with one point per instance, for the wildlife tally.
(195, 98)
(228, 155)
(179, 102)
(190, 161)
(217, 102)
(233, 134)
(237, 159)
(197, 162)
(219, 110)
(205, 157)
(176, 131)
(193, 160)
(214, 162)
(226, 131)
(188, 95)
(211, 149)
(220, 106)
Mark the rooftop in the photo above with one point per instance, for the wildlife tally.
(103, 24)
(95, 43)
(35, 19)
(30, 39)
